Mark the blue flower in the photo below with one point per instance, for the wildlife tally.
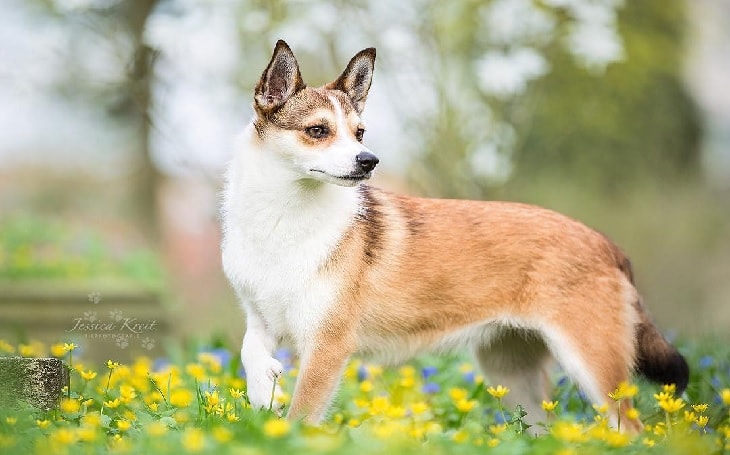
(499, 418)
(428, 371)
(469, 377)
(160, 364)
(284, 356)
(706, 361)
(362, 372)
(430, 388)
(221, 354)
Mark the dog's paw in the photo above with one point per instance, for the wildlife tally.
(262, 381)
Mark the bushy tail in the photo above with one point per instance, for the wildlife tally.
(656, 358)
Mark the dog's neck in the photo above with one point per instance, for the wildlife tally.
(264, 190)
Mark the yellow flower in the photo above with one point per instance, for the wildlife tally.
(725, 396)
(386, 429)
(616, 439)
(497, 429)
(702, 421)
(375, 370)
(569, 432)
(659, 429)
(11, 420)
(407, 371)
(700, 407)
(156, 428)
(68, 347)
(602, 409)
(671, 405)
(222, 434)
(130, 415)
(669, 388)
(460, 436)
(64, 436)
(366, 386)
(276, 428)
(689, 416)
(379, 405)
(465, 368)
(236, 393)
(195, 370)
(395, 412)
(353, 423)
(231, 417)
(648, 442)
(419, 407)
(659, 397)
(465, 405)
(211, 361)
(92, 420)
(407, 382)
(632, 414)
(193, 439)
(283, 398)
(87, 375)
(124, 425)
(69, 406)
(6, 347)
(43, 424)
(493, 442)
(57, 350)
(86, 434)
(153, 406)
(112, 365)
(624, 390)
(457, 394)
(212, 399)
(112, 404)
(498, 392)
(27, 350)
(549, 406)
(181, 398)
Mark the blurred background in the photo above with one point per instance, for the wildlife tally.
(117, 119)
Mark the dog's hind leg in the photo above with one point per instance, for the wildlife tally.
(517, 359)
(597, 364)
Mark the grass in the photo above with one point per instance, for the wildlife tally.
(196, 403)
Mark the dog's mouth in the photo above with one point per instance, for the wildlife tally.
(346, 179)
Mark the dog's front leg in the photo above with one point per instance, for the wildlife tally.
(322, 364)
(262, 369)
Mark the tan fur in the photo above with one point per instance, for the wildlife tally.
(414, 270)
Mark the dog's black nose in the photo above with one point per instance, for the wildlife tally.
(366, 161)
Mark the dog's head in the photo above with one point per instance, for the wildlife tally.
(317, 131)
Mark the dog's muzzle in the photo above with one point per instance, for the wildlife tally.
(366, 162)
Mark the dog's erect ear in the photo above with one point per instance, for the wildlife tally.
(355, 80)
(280, 80)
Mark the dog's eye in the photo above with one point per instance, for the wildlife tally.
(359, 134)
(317, 131)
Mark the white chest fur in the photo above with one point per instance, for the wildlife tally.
(278, 232)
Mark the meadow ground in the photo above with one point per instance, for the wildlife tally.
(195, 402)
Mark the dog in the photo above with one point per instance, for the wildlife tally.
(338, 268)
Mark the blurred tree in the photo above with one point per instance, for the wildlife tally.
(133, 15)
(544, 104)
(636, 121)
(116, 77)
